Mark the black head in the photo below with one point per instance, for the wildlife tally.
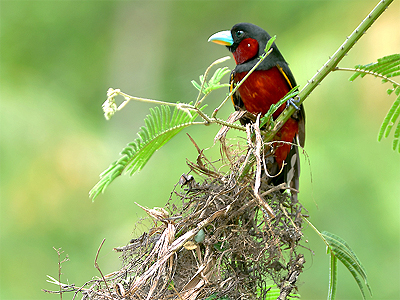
(242, 31)
(247, 43)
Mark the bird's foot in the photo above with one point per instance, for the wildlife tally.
(293, 101)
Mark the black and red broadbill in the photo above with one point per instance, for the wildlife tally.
(269, 83)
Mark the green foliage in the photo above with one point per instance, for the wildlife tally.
(386, 68)
(213, 83)
(60, 37)
(332, 277)
(339, 249)
(160, 127)
(272, 294)
(269, 43)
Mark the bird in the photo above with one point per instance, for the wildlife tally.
(270, 82)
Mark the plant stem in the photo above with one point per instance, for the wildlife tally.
(330, 65)
(367, 72)
(316, 230)
(159, 102)
(218, 61)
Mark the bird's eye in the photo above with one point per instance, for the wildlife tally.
(239, 33)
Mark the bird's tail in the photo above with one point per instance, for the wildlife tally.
(291, 171)
(289, 174)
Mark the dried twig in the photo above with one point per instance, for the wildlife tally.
(289, 284)
(237, 244)
(59, 252)
(258, 149)
(98, 268)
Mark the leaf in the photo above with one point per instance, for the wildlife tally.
(160, 127)
(342, 251)
(389, 120)
(396, 143)
(386, 67)
(269, 43)
(332, 277)
(213, 83)
(196, 85)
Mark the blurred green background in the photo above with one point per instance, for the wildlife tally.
(58, 58)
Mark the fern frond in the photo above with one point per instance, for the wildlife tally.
(342, 251)
(396, 139)
(160, 127)
(339, 249)
(213, 83)
(386, 68)
(390, 119)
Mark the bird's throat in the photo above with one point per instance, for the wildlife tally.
(247, 49)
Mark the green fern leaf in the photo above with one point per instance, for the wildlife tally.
(389, 58)
(389, 91)
(389, 120)
(396, 143)
(160, 127)
(332, 277)
(397, 90)
(213, 83)
(386, 67)
(342, 251)
(196, 85)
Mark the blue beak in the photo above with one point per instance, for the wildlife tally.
(222, 38)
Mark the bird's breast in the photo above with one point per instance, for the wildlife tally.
(262, 89)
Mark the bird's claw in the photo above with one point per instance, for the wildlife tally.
(293, 101)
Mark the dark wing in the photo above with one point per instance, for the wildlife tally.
(291, 171)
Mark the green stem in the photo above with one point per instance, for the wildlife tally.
(218, 61)
(316, 230)
(330, 65)
(367, 72)
(333, 277)
(129, 97)
(230, 125)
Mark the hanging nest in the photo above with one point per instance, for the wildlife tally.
(214, 239)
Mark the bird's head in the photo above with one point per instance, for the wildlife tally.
(246, 41)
